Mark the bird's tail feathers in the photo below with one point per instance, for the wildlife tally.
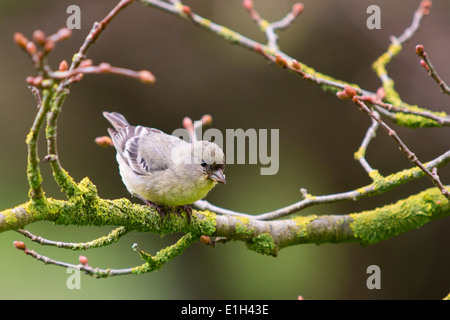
(117, 120)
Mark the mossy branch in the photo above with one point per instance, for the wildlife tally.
(266, 237)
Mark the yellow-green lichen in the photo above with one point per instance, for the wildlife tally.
(415, 121)
(382, 223)
(263, 244)
(360, 153)
(263, 24)
(302, 223)
(10, 217)
(379, 65)
(229, 35)
(243, 227)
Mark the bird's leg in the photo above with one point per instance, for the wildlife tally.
(188, 211)
(153, 205)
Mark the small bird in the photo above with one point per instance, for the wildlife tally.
(164, 170)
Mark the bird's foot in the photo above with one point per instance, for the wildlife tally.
(149, 203)
(188, 211)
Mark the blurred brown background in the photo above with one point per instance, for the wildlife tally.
(198, 73)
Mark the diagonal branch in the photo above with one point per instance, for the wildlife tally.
(426, 63)
(411, 156)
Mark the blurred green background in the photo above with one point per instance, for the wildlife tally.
(199, 73)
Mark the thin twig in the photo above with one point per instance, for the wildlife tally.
(95, 32)
(144, 75)
(360, 155)
(426, 63)
(96, 272)
(269, 27)
(112, 237)
(411, 156)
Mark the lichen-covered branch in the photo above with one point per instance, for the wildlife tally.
(266, 237)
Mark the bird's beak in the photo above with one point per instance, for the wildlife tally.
(218, 176)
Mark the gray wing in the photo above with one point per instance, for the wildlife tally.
(145, 150)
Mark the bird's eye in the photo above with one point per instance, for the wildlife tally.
(203, 164)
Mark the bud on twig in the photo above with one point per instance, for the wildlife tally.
(347, 93)
(187, 10)
(187, 123)
(419, 49)
(39, 37)
(297, 8)
(426, 6)
(296, 65)
(20, 40)
(280, 61)
(205, 239)
(104, 141)
(206, 120)
(30, 47)
(424, 64)
(63, 66)
(83, 260)
(19, 245)
(248, 4)
(63, 34)
(146, 77)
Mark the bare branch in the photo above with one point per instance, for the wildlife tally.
(112, 237)
(426, 63)
(411, 156)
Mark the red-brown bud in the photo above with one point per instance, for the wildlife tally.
(350, 91)
(279, 60)
(342, 95)
(205, 239)
(20, 40)
(19, 245)
(248, 4)
(298, 8)
(347, 93)
(187, 10)
(187, 123)
(83, 260)
(146, 77)
(296, 65)
(31, 48)
(63, 66)
(419, 49)
(64, 33)
(424, 64)
(425, 6)
(39, 37)
(104, 141)
(206, 120)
